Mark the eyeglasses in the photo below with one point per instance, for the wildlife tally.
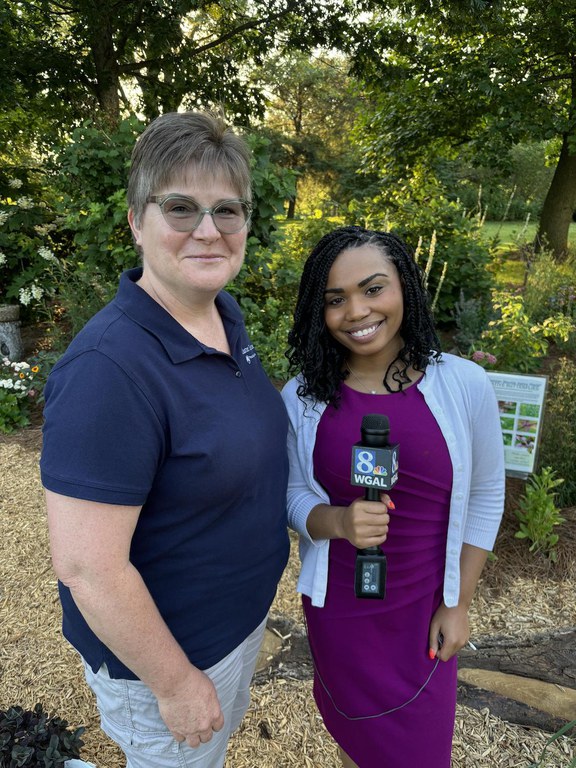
(184, 214)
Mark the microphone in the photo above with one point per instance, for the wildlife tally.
(374, 468)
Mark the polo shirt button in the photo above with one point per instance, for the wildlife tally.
(238, 374)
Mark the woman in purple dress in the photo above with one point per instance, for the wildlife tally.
(363, 342)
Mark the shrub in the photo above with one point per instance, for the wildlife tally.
(418, 210)
(271, 186)
(299, 237)
(268, 325)
(27, 237)
(471, 317)
(517, 342)
(266, 289)
(30, 739)
(551, 290)
(538, 514)
(558, 445)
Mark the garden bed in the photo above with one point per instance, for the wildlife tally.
(520, 596)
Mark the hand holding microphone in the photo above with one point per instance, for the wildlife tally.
(375, 468)
(365, 523)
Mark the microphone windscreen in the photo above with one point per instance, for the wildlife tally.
(375, 422)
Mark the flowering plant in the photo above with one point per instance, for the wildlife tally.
(28, 236)
(485, 359)
(564, 300)
(21, 384)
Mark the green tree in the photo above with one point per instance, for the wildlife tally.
(98, 57)
(311, 110)
(487, 80)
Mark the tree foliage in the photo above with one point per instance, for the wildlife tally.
(97, 58)
(487, 80)
(312, 106)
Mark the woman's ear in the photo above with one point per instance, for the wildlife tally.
(135, 227)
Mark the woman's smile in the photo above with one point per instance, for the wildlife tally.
(362, 333)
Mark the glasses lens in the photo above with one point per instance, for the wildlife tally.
(231, 216)
(181, 213)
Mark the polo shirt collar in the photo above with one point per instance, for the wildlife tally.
(146, 312)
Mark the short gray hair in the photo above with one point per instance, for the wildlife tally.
(177, 141)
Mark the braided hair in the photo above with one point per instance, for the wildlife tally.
(315, 353)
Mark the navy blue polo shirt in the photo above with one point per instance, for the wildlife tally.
(139, 412)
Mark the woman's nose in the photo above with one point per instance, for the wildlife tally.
(357, 308)
(206, 230)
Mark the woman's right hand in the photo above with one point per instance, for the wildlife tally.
(365, 523)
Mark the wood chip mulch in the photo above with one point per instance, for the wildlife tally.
(519, 595)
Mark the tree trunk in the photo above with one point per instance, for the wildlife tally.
(107, 88)
(292, 203)
(559, 205)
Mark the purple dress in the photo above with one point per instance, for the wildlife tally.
(381, 697)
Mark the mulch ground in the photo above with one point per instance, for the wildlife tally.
(519, 596)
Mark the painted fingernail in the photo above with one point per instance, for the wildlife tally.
(391, 505)
(432, 654)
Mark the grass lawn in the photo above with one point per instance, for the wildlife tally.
(511, 234)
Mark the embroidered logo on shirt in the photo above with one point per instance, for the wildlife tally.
(245, 352)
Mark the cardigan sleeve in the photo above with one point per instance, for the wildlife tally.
(304, 492)
(487, 483)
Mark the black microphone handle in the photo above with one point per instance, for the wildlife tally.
(371, 494)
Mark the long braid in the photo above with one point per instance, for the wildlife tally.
(312, 349)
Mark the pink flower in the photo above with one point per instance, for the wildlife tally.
(491, 359)
(478, 356)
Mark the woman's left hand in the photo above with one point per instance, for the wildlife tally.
(449, 631)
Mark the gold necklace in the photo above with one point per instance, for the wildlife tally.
(368, 391)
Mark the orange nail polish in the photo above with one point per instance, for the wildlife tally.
(432, 654)
(391, 505)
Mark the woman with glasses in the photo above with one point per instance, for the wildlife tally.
(164, 463)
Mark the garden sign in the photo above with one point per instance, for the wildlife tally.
(521, 405)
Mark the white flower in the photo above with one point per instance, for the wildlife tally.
(25, 296)
(37, 292)
(2, 258)
(15, 183)
(25, 203)
(4, 216)
(6, 383)
(44, 229)
(47, 254)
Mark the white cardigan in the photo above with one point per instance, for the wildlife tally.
(462, 400)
